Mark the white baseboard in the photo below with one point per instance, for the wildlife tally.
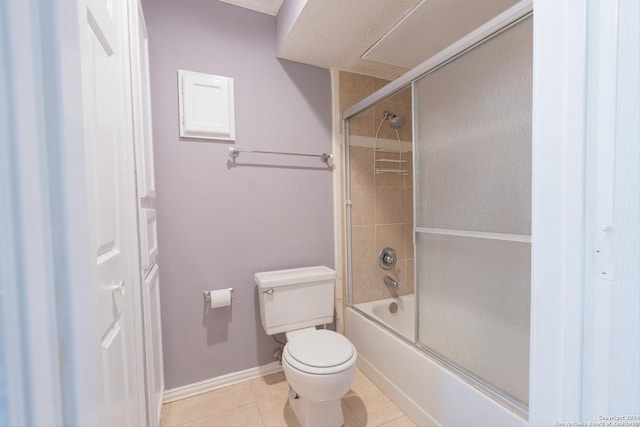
(221, 381)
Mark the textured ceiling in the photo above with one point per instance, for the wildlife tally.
(382, 38)
(432, 26)
(335, 33)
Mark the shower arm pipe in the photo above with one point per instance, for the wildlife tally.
(235, 152)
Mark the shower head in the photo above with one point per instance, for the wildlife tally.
(395, 120)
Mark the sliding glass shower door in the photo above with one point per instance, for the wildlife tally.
(473, 210)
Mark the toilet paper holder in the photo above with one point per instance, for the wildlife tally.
(207, 295)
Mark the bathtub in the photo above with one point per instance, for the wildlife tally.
(428, 392)
(402, 321)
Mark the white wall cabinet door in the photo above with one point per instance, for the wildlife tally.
(108, 150)
(206, 106)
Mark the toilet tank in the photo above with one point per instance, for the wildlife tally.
(295, 298)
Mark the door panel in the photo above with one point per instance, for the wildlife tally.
(110, 204)
(146, 212)
(153, 339)
(148, 239)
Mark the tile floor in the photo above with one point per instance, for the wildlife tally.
(263, 402)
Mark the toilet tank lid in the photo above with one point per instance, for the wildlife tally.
(269, 279)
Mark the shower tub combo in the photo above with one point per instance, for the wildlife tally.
(425, 390)
(445, 196)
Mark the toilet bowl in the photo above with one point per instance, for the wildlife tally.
(319, 366)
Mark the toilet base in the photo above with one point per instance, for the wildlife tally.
(316, 414)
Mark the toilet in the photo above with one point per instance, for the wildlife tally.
(319, 364)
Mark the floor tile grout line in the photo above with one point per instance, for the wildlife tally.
(395, 419)
(255, 400)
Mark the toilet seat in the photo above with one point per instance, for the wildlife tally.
(320, 352)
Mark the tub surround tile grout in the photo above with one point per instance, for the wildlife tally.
(379, 200)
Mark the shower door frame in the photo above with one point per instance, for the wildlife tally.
(500, 23)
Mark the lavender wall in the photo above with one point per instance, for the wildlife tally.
(218, 224)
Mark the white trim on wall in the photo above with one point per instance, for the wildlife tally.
(584, 342)
(557, 250)
(338, 199)
(611, 372)
(601, 135)
(222, 381)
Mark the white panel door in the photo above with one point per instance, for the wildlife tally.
(108, 150)
(141, 102)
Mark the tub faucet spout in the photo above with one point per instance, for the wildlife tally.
(389, 281)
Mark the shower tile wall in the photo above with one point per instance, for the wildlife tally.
(381, 204)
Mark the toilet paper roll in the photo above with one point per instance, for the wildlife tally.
(220, 298)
